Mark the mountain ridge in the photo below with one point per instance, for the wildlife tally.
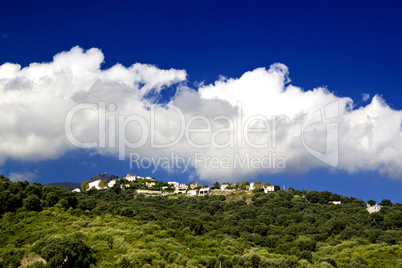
(72, 185)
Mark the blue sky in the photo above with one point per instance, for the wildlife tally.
(351, 48)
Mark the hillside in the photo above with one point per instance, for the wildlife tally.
(112, 228)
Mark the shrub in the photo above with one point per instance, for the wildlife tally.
(387, 238)
(33, 203)
(67, 253)
(11, 257)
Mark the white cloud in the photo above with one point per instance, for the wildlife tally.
(23, 176)
(36, 99)
(365, 96)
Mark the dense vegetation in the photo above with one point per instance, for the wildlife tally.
(110, 228)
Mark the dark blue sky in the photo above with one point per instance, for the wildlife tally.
(352, 47)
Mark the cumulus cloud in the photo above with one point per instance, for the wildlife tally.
(234, 128)
(36, 99)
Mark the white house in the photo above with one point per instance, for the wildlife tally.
(131, 177)
(251, 186)
(195, 185)
(95, 184)
(182, 187)
(224, 186)
(336, 202)
(150, 184)
(111, 183)
(372, 209)
(76, 190)
(205, 191)
(175, 184)
(269, 189)
(178, 186)
(192, 192)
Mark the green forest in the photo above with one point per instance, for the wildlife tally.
(46, 226)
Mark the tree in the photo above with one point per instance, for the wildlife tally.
(33, 203)
(198, 228)
(313, 196)
(4, 179)
(103, 184)
(267, 184)
(325, 196)
(87, 204)
(393, 219)
(68, 201)
(11, 257)
(216, 185)
(386, 203)
(327, 260)
(8, 201)
(387, 238)
(52, 198)
(371, 202)
(255, 260)
(240, 186)
(67, 252)
(257, 186)
(34, 189)
(276, 188)
(84, 186)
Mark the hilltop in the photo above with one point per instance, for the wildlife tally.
(73, 185)
(66, 185)
(103, 176)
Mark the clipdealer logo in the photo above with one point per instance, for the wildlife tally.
(112, 134)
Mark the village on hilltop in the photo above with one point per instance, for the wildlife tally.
(151, 186)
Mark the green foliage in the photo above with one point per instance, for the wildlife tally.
(87, 204)
(33, 203)
(52, 198)
(330, 261)
(84, 186)
(37, 264)
(11, 257)
(67, 252)
(387, 238)
(258, 187)
(103, 184)
(386, 202)
(216, 185)
(313, 196)
(111, 228)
